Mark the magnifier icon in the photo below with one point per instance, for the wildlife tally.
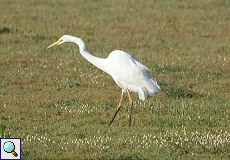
(9, 147)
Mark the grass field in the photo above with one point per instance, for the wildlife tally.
(60, 104)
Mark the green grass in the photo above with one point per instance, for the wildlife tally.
(60, 104)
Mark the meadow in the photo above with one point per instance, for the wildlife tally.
(60, 104)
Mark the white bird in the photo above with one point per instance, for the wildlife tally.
(128, 73)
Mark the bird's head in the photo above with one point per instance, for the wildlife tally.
(62, 40)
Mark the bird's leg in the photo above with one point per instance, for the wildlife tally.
(118, 108)
(131, 108)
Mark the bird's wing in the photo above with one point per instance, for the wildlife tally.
(142, 67)
(127, 70)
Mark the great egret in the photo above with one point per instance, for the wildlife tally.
(128, 73)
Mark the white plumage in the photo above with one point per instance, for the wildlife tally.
(128, 73)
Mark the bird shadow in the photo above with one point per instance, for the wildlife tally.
(174, 91)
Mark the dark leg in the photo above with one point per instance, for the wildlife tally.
(131, 108)
(118, 108)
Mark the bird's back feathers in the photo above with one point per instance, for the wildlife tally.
(130, 74)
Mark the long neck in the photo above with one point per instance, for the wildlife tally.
(98, 62)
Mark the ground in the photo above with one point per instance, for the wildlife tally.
(60, 104)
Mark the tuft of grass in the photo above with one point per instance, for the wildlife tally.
(5, 30)
(169, 69)
(2, 129)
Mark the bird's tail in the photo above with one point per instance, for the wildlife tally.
(153, 87)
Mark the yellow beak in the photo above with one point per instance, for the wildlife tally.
(54, 44)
